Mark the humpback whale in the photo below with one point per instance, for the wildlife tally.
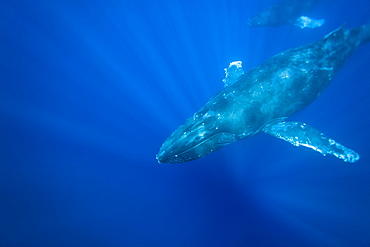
(287, 12)
(261, 99)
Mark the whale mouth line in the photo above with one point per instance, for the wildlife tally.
(221, 142)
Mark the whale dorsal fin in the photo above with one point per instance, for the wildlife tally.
(301, 134)
(233, 73)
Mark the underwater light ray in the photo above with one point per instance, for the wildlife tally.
(316, 205)
(72, 131)
(115, 69)
(318, 219)
(158, 63)
(185, 50)
(312, 234)
(64, 83)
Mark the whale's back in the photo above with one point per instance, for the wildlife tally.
(290, 80)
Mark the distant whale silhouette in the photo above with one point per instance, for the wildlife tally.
(261, 100)
(287, 12)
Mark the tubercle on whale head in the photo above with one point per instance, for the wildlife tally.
(200, 135)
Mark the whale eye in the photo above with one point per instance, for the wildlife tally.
(197, 138)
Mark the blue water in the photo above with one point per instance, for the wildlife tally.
(89, 90)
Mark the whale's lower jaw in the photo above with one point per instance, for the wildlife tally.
(170, 160)
(198, 150)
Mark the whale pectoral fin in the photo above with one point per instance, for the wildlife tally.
(301, 134)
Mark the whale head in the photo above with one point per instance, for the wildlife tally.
(200, 135)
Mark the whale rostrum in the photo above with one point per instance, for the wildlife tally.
(261, 99)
